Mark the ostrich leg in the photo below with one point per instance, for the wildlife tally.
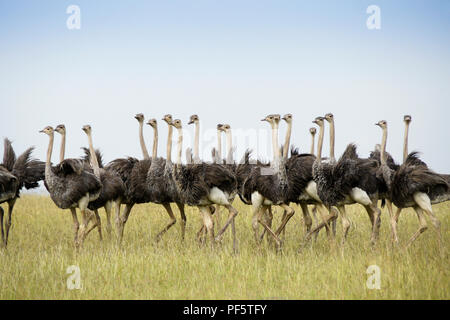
(108, 208)
(11, 204)
(183, 219)
(1, 223)
(173, 220)
(76, 224)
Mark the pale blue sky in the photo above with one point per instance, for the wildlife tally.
(229, 62)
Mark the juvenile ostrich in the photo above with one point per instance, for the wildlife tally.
(71, 187)
(347, 181)
(133, 173)
(203, 185)
(159, 180)
(113, 188)
(313, 132)
(414, 185)
(16, 173)
(269, 186)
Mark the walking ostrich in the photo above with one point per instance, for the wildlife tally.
(133, 173)
(313, 132)
(113, 188)
(16, 173)
(269, 186)
(159, 180)
(111, 183)
(347, 181)
(414, 185)
(203, 185)
(71, 187)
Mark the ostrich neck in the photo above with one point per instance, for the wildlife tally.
(197, 142)
(229, 147)
(312, 143)
(332, 139)
(287, 140)
(155, 142)
(179, 145)
(142, 142)
(405, 142)
(63, 147)
(169, 144)
(383, 147)
(276, 149)
(320, 143)
(94, 161)
(48, 162)
(219, 145)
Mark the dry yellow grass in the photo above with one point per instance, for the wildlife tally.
(41, 248)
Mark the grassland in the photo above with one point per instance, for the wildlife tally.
(41, 248)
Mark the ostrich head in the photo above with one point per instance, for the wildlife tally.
(176, 123)
(193, 119)
(139, 117)
(329, 117)
(220, 127)
(226, 127)
(48, 130)
(61, 129)
(87, 129)
(312, 131)
(272, 118)
(288, 118)
(319, 121)
(382, 124)
(152, 123)
(407, 118)
(168, 119)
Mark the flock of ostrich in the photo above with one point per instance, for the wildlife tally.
(327, 185)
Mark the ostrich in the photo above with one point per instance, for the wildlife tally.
(113, 188)
(203, 185)
(313, 132)
(269, 186)
(133, 173)
(110, 184)
(160, 182)
(347, 181)
(414, 185)
(16, 173)
(71, 187)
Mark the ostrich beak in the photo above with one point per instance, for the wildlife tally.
(190, 122)
(41, 131)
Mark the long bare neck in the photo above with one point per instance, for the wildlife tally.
(169, 144)
(405, 142)
(229, 147)
(383, 146)
(94, 160)
(332, 140)
(276, 149)
(155, 142)
(142, 142)
(320, 143)
(312, 143)
(287, 140)
(179, 145)
(197, 142)
(219, 145)
(63, 147)
(48, 162)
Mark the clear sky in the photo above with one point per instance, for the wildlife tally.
(229, 62)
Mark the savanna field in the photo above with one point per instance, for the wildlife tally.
(41, 249)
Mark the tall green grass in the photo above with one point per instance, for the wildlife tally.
(41, 249)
